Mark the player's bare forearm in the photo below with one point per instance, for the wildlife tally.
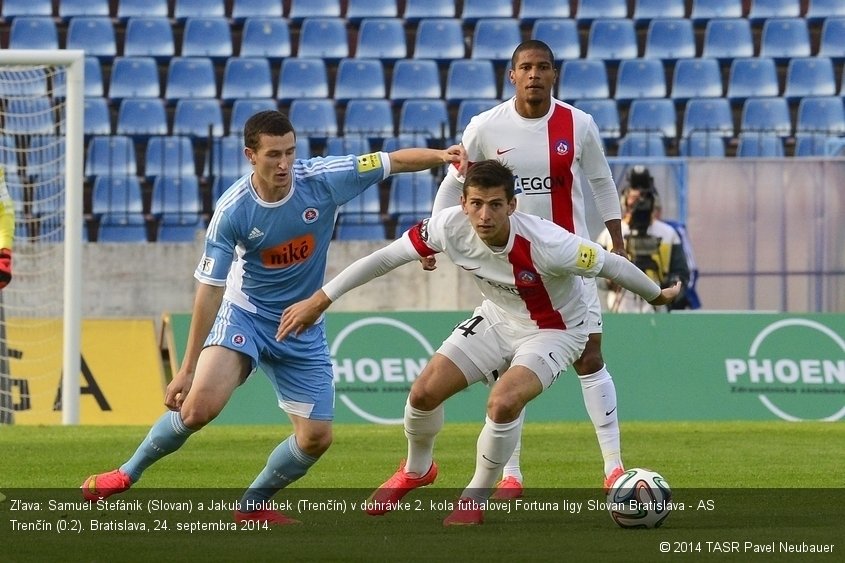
(416, 159)
(614, 228)
(667, 295)
(303, 314)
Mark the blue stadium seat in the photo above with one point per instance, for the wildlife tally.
(708, 114)
(33, 32)
(785, 38)
(245, 9)
(470, 78)
(583, 79)
(416, 10)
(246, 77)
(404, 141)
(381, 38)
(323, 38)
(653, 116)
(702, 144)
(266, 37)
(605, 113)
(439, 39)
(469, 108)
(303, 146)
(169, 155)
(95, 35)
(559, 34)
(29, 116)
(427, 117)
(411, 193)
(415, 78)
(670, 39)
(141, 117)
(359, 227)
(176, 197)
(359, 78)
(97, 116)
(190, 77)
(142, 8)
(244, 108)
(195, 116)
(357, 10)
(761, 10)
(180, 228)
(819, 10)
(93, 79)
(639, 143)
(532, 10)
(809, 76)
(766, 115)
(69, 9)
(703, 11)
(647, 10)
(45, 157)
(612, 40)
(116, 194)
(589, 10)
(315, 118)
(302, 78)
(149, 37)
(220, 184)
(752, 76)
(122, 228)
(508, 89)
(640, 78)
(9, 159)
(495, 39)
(832, 40)
(134, 77)
(226, 159)
(11, 9)
(303, 9)
(810, 144)
(759, 145)
(110, 155)
(347, 144)
(823, 114)
(696, 78)
(184, 9)
(207, 37)
(34, 85)
(728, 38)
(372, 118)
(475, 10)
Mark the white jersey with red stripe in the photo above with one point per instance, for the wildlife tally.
(548, 156)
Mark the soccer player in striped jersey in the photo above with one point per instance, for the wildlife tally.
(531, 325)
(265, 248)
(552, 148)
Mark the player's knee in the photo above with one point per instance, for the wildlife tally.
(502, 408)
(195, 416)
(421, 398)
(590, 361)
(315, 444)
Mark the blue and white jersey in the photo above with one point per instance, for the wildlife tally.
(270, 255)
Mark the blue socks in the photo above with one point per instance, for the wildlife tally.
(286, 464)
(166, 436)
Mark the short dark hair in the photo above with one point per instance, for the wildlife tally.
(489, 174)
(268, 122)
(532, 45)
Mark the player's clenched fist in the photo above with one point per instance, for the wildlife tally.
(5, 267)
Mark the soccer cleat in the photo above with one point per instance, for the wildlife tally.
(387, 496)
(611, 479)
(98, 487)
(467, 512)
(508, 488)
(271, 517)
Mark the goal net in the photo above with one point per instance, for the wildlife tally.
(41, 148)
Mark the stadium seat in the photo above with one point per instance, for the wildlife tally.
(469, 108)
(824, 114)
(589, 10)
(93, 86)
(708, 114)
(262, 9)
(352, 226)
(149, 37)
(33, 32)
(302, 78)
(727, 38)
(583, 79)
(169, 156)
(220, 184)
(357, 10)
(303, 146)
(190, 77)
(372, 118)
(647, 10)
(359, 78)
(427, 117)
(404, 141)
(470, 78)
(766, 115)
(415, 78)
(303, 9)
(347, 144)
(508, 89)
(639, 143)
(179, 228)
(810, 144)
(94, 35)
(416, 10)
(819, 10)
(832, 40)
(759, 145)
(605, 113)
(122, 227)
(495, 39)
(640, 78)
(34, 85)
(809, 76)
(69, 9)
(653, 116)
(702, 144)
(9, 158)
(559, 34)
(176, 197)
(612, 40)
(207, 37)
(96, 116)
(110, 155)
(244, 108)
(761, 10)
(246, 77)
(753, 76)
(184, 9)
(785, 38)
(44, 159)
(323, 38)
(226, 159)
(141, 117)
(11, 9)
(381, 38)
(474, 10)
(29, 116)
(116, 194)
(532, 10)
(314, 118)
(196, 116)
(670, 39)
(703, 11)
(696, 78)
(142, 8)
(266, 37)
(411, 193)
(134, 77)
(439, 39)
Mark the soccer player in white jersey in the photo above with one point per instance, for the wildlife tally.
(531, 324)
(265, 248)
(552, 148)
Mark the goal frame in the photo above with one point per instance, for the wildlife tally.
(74, 62)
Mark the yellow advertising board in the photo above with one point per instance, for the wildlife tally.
(121, 380)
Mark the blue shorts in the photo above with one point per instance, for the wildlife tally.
(299, 367)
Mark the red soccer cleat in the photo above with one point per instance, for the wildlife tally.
(98, 487)
(387, 496)
(611, 479)
(508, 488)
(467, 512)
(271, 517)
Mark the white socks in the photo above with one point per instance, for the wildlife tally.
(512, 468)
(495, 444)
(421, 428)
(600, 400)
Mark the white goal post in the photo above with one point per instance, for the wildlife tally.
(42, 102)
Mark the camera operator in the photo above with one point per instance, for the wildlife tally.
(653, 245)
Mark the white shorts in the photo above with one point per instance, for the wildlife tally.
(591, 298)
(487, 344)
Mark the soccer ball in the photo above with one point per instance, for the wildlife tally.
(639, 498)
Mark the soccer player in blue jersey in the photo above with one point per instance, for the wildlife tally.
(265, 249)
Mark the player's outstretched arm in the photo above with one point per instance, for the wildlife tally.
(668, 294)
(416, 159)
